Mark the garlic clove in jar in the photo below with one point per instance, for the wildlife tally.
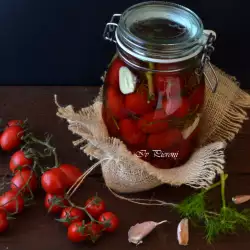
(127, 80)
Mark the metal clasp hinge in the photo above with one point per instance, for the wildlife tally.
(109, 31)
(205, 60)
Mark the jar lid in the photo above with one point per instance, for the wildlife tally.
(160, 31)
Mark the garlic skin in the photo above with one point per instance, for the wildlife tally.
(127, 81)
(188, 131)
(183, 232)
(239, 199)
(137, 232)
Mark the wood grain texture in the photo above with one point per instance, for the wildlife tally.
(34, 230)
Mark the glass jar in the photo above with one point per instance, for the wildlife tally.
(154, 87)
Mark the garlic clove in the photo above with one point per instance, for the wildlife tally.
(127, 80)
(188, 131)
(183, 232)
(137, 232)
(239, 199)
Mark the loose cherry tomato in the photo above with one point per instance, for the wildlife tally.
(93, 231)
(24, 179)
(72, 173)
(11, 138)
(95, 206)
(19, 159)
(55, 203)
(77, 232)
(12, 202)
(70, 215)
(15, 123)
(109, 221)
(112, 76)
(3, 221)
(54, 181)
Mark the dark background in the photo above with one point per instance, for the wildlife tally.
(52, 42)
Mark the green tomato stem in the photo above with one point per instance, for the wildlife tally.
(83, 209)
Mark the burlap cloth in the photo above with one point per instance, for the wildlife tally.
(224, 113)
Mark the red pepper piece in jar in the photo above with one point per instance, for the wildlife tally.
(178, 107)
(139, 104)
(154, 122)
(169, 85)
(130, 132)
(164, 140)
(112, 76)
(197, 96)
(114, 103)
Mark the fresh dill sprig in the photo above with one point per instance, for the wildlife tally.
(193, 206)
(226, 221)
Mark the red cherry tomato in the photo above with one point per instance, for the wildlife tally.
(130, 132)
(178, 107)
(19, 159)
(54, 181)
(11, 138)
(109, 221)
(72, 173)
(154, 122)
(138, 103)
(24, 180)
(15, 123)
(164, 140)
(70, 215)
(12, 202)
(115, 103)
(94, 231)
(77, 232)
(95, 206)
(112, 76)
(110, 123)
(55, 203)
(3, 221)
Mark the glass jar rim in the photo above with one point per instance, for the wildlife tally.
(187, 44)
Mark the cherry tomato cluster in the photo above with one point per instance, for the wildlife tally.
(155, 113)
(29, 173)
(83, 223)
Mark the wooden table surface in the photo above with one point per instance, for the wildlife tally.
(34, 230)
